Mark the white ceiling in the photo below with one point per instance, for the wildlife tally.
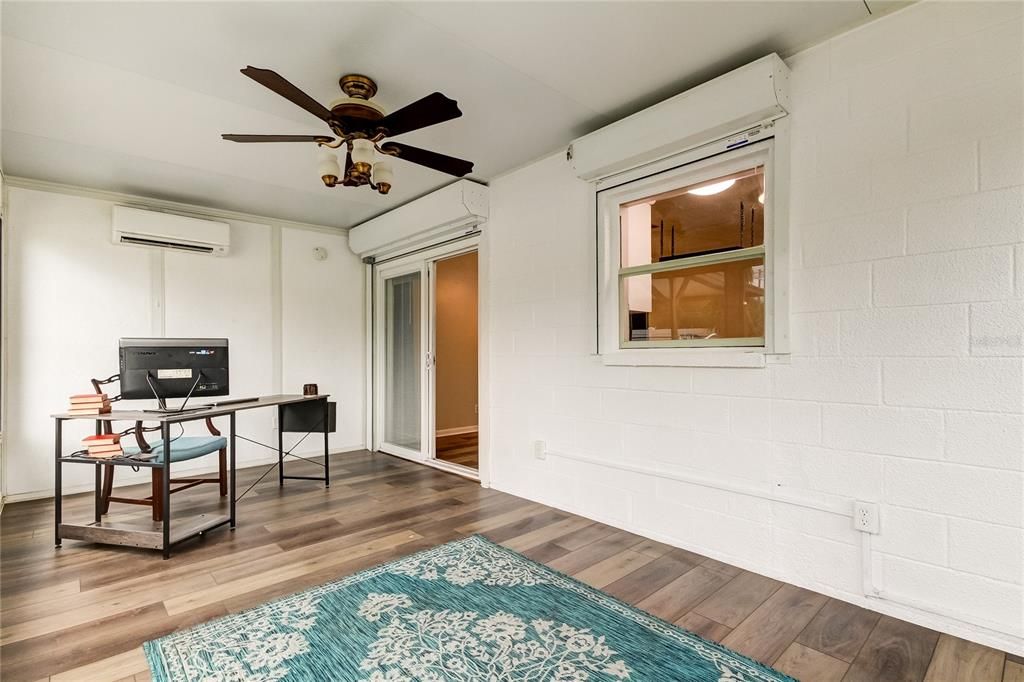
(132, 97)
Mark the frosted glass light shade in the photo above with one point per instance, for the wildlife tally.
(382, 172)
(329, 163)
(362, 151)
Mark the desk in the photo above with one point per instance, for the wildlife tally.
(164, 537)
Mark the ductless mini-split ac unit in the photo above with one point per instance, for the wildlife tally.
(156, 230)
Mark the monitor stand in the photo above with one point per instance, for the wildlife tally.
(162, 403)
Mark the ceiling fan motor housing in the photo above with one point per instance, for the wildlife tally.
(358, 91)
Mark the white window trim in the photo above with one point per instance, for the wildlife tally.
(623, 187)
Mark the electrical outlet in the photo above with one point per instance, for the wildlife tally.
(865, 517)
(539, 450)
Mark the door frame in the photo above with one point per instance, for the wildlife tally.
(431, 265)
(383, 273)
(424, 259)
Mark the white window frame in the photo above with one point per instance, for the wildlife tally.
(714, 160)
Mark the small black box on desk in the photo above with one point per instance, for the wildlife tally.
(308, 417)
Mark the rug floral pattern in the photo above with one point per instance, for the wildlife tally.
(463, 645)
(465, 611)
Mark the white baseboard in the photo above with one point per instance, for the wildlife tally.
(136, 479)
(457, 431)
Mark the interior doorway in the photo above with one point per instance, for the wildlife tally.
(456, 372)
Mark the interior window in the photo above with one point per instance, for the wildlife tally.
(692, 260)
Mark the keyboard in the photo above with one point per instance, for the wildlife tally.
(169, 410)
(234, 401)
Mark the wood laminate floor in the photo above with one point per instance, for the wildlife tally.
(461, 449)
(82, 612)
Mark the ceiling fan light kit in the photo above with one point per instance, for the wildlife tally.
(329, 168)
(383, 176)
(361, 126)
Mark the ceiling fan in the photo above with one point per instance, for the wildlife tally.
(361, 125)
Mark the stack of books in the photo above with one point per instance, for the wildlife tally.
(103, 445)
(89, 403)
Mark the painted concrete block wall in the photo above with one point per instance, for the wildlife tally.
(905, 382)
(290, 320)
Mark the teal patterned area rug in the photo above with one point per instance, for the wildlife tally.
(468, 610)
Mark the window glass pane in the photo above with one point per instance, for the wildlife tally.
(402, 359)
(719, 301)
(718, 214)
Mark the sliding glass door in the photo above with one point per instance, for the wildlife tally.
(410, 339)
(401, 367)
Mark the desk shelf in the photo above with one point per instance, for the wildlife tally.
(163, 535)
(120, 462)
(114, 533)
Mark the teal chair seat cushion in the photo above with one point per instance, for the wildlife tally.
(185, 447)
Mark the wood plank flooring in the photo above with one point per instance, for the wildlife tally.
(82, 612)
(461, 449)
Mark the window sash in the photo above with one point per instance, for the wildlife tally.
(677, 264)
(693, 261)
(685, 264)
(739, 342)
(684, 169)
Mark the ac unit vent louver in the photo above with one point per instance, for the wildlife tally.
(156, 230)
(140, 241)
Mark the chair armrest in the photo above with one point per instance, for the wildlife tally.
(140, 440)
(214, 431)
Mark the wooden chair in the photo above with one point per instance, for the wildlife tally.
(183, 448)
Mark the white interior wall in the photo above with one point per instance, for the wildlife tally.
(905, 382)
(322, 327)
(290, 320)
(231, 298)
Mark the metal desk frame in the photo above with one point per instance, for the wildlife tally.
(165, 539)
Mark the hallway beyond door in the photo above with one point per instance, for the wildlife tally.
(455, 360)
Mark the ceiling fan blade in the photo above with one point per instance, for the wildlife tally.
(278, 138)
(431, 110)
(278, 84)
(439, 162)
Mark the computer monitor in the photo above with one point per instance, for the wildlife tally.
(173, 368)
